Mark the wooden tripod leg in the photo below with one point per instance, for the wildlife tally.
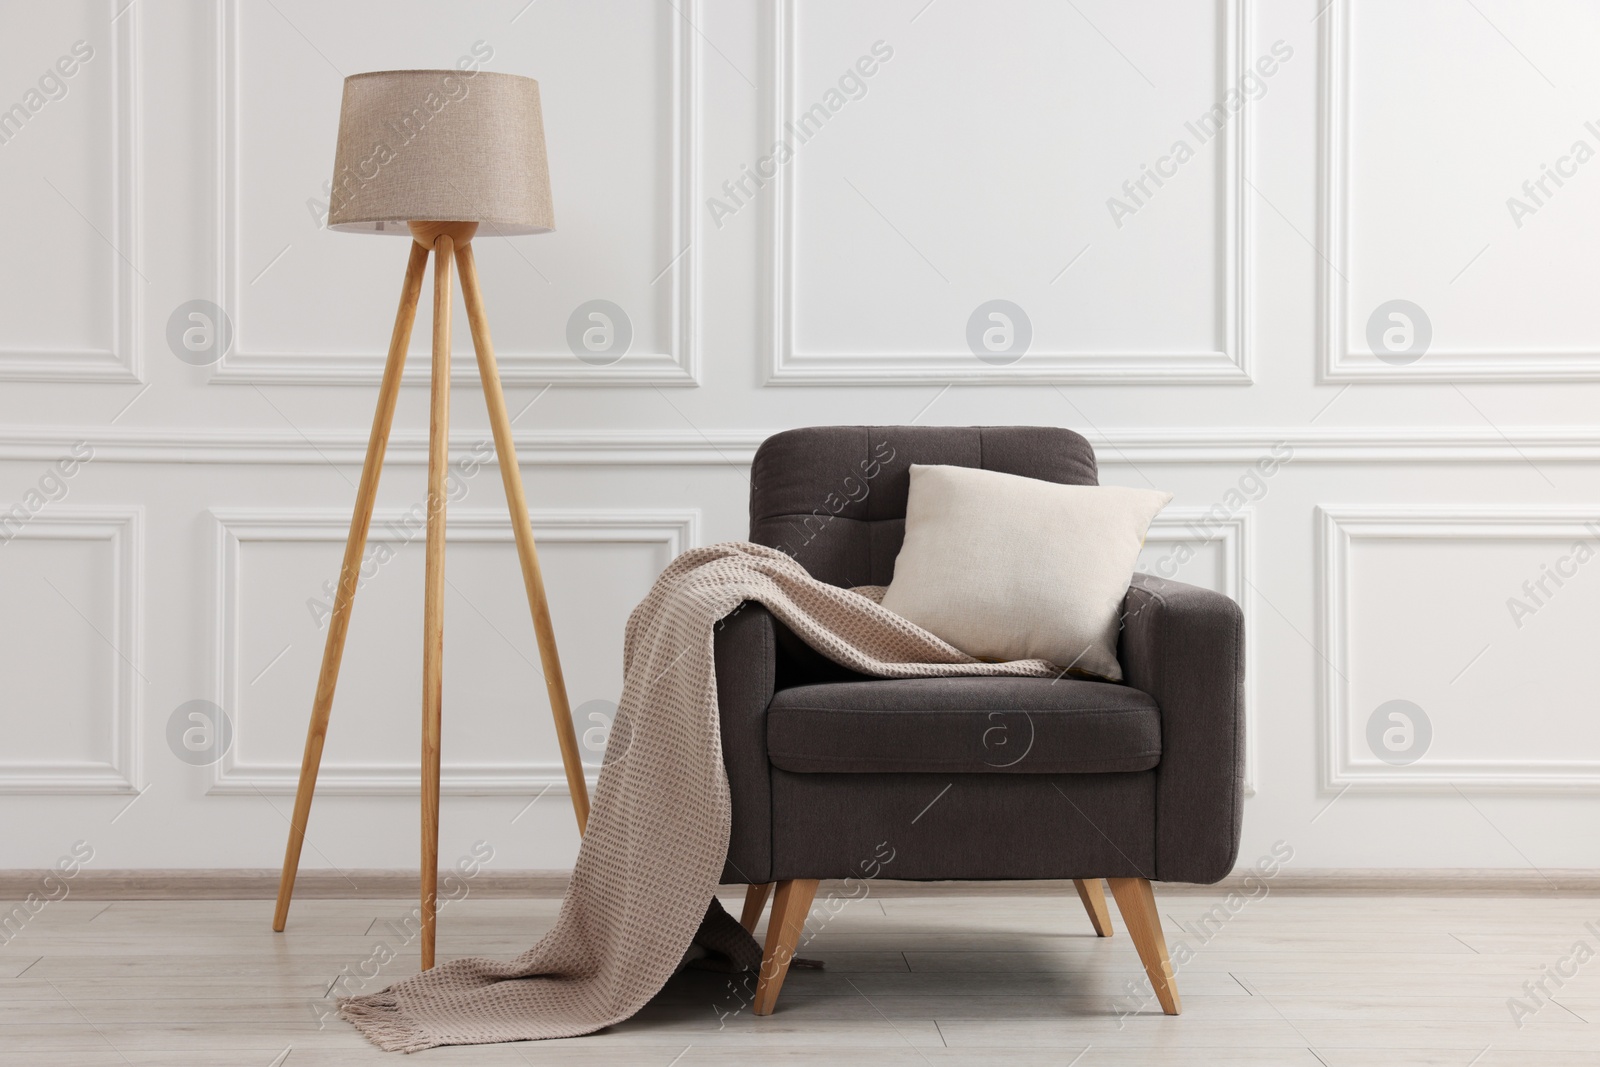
(1093, 894)
(1137, 902)
(354, 546)
(755, 898)
(511, 475)
(790, 906)
(433, 590)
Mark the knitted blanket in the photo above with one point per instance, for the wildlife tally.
(653, 852)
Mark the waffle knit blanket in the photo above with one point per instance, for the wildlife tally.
(653, 852)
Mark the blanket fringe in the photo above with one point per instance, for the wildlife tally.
(378, 1017)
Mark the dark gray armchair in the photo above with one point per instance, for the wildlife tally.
(837, 775)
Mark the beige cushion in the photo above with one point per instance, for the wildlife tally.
(1005, 567)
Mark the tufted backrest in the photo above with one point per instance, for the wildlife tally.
(834, 497)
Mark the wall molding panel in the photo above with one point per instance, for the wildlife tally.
(121, 359)
(1204, 210)
(122, 530)
(1340, 361)
(679, 365)
(651, 448)
(788, 365)
(673, 530)
(1337, 529)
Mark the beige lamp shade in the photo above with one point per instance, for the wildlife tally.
(440, 146)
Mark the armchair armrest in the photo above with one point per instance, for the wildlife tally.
(745, 654)
(1185, 647)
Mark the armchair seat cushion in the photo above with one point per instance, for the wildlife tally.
(964, 725)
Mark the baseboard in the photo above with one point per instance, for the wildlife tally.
(262, 884)
(1436, 881)
(1373, 881)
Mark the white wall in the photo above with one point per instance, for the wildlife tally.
(1215, 322)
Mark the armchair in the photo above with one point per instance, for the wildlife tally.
(967, 778)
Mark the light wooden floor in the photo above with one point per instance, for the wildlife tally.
(1020, 980)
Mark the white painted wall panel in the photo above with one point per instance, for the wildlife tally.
(1372, 516)
(1482, 620)
(69, 143)
(1459, 183)
(896, 221)
(623, 216)
(274, 569)
(69, 648)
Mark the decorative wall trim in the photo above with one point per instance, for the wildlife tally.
(1183, 525)
(122, 528)
(690, 448)
(678, 366)
(1341, 362)
(261, 883)
(322, 883)
(122, 360)
(1337, 529)
(1231, 365)
(675, 531)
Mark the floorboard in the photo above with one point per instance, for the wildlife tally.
(1287, 979)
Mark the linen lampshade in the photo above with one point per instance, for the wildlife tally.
(440, 146)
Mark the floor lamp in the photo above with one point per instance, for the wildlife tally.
(432, 155)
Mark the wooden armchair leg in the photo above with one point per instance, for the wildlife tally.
(790, 906)
(1093, 894)
(755, 898)
(1137, 902)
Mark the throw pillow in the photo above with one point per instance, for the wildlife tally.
(1005, 567)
